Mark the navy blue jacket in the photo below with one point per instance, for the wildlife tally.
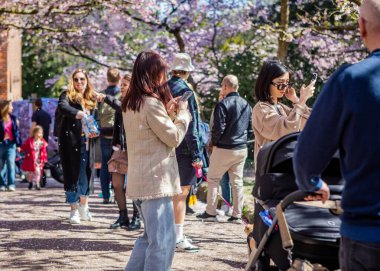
(346, 117)
(15, 131)
(191, 145)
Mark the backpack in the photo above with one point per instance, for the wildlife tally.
(204, 134)
(106, 114)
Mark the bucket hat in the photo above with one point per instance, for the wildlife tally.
(182, 62)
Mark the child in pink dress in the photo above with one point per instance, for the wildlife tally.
(35, 157)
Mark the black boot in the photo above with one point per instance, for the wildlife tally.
(135, 223)
(30, 186)
(122, 221)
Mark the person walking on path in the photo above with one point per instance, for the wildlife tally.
(35, 157)
(189, 153)
(42, 118)
(231, 129)
(74, 105)
(106, 121)
(118, 164)
(10, 142)
(348, 109)
(272, 119)
(156, 124)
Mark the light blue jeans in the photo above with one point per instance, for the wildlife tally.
(154, 250)
(7, 163)
(82, 185)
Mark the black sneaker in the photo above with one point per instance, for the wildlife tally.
(206, 217)
(189, 211)
(235, 220)
(30, 186)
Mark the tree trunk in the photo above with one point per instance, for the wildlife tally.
(179, 39)
(282, 40)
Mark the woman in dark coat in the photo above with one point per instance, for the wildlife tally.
(118, 178)
(74, 105)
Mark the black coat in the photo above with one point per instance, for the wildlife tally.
(118, 137)
(70, 141)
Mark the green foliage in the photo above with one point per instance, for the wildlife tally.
(38, 65)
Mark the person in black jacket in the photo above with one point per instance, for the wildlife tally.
(230, 132)
(118, 178)
(10, 141)
(74, 105)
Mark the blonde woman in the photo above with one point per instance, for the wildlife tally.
(74, 104)
(10, 140)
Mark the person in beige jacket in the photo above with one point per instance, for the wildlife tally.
(272, 119)
(155, 125)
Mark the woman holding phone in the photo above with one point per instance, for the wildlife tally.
(272, 119)
(152, 135)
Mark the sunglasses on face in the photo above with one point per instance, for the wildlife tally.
(82, 79)
(281, 86)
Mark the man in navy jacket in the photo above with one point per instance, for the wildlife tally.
(346, 117)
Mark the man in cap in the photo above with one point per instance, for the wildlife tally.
(348, 109)
(189, 153)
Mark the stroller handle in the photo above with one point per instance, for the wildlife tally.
(287, 241)
(294, 196)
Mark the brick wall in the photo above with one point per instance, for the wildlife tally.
(3, 65)
(10, 64)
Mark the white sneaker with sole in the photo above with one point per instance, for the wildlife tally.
(74, 217)
(185, 245)
(84, 212)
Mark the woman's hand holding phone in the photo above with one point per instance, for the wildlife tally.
(306, 92)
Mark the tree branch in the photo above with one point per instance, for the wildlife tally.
(82, 55)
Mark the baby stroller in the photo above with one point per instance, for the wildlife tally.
(285, 229)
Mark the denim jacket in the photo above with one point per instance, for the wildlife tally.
(191, 145)
(15, 131)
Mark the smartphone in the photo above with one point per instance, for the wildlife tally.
(314, 78)
(186, 96)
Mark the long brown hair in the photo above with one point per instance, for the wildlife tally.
(4, 109)
(147, 74)
(88, 99)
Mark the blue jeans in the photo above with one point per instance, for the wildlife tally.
(226, 188)
(154, 250)
(82, 186)
(7, 163)
(105, 176)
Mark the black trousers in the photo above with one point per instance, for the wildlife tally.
(359, 256)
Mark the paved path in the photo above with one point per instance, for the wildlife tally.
(35, 235)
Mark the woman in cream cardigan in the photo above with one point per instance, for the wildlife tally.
(270, 118)
(156, 126)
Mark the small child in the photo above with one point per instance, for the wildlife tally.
(35, 157)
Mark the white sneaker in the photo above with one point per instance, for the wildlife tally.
(12, 188)
(74, 217)
(226, 209)
(84, 212)
(3, 188)
(185, 245)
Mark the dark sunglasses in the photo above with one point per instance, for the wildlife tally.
(79, 79)
(282, 86)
